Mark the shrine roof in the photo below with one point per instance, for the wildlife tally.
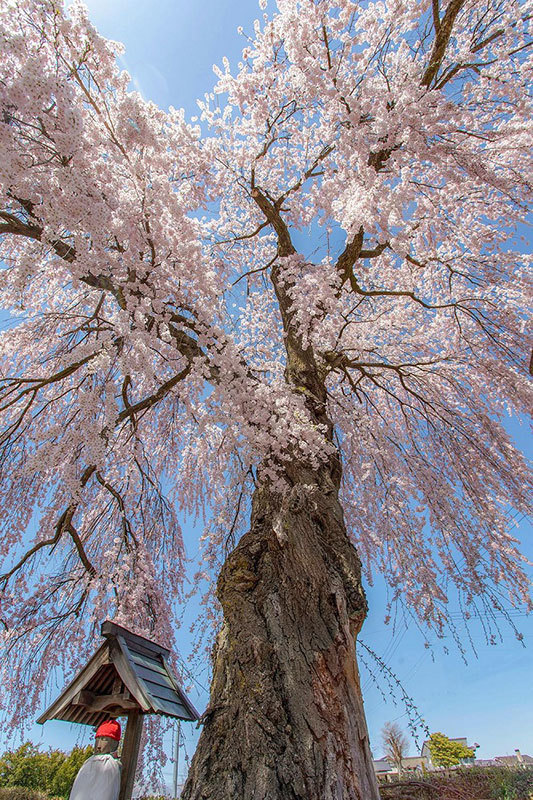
(127, 673)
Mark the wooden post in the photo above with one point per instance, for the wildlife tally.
(177, 760)
(130, 754)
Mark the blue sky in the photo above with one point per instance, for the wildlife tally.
(170, 50)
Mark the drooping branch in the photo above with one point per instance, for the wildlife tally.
(64, 525)
(126, 525)
(358, 289)
(186, 344)
(38, 383)
(353, 252)
(148, 402)
(80, 549)
(63, 249)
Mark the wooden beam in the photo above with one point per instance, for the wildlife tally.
(130, 754)
(100, 658)
(101, 702)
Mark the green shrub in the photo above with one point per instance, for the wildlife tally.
(512, 783)
(27, 767)
(51, 772)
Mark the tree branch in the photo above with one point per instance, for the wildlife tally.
(186, 345)
(152, 400)
(436, 15)
(442, 38)
(349, 256)
(271, 212)
(63, 250)
(81, 552)
(64, 524)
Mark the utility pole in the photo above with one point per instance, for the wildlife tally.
(177, 759)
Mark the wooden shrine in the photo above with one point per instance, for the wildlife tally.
(127, 676)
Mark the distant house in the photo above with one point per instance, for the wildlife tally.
(414, 763)
(425, 753)
(518, 760)
(383, 768)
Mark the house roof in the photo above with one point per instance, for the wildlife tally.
(381, 765)
(521, 759)
(127, 673)
(413, 761)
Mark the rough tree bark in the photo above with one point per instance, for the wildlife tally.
(285, 718)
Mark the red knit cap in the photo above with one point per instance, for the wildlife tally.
(110, 729)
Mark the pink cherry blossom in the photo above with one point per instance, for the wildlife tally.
(350, 187)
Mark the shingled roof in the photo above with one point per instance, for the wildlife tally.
(127, 673)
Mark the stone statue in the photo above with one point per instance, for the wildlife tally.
(99, 777)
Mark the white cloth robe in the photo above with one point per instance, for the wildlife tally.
(98, 779)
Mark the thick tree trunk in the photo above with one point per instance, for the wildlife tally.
(286, 718)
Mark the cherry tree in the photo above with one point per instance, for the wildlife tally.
(303, 315)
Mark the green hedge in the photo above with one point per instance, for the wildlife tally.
(48, 774)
